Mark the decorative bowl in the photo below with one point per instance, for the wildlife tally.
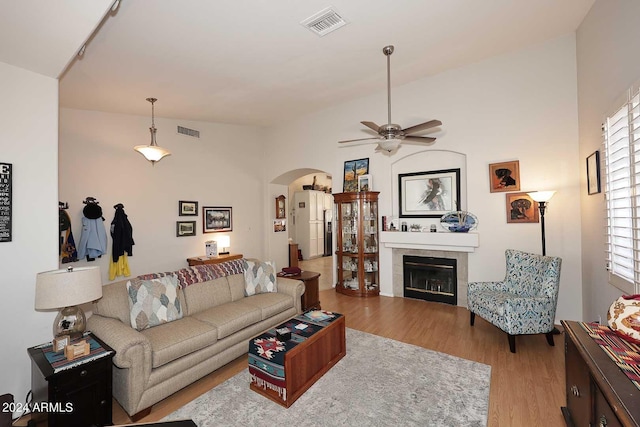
(459, 221)
(624, 317)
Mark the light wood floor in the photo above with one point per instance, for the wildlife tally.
(322, 265)
(527, 388)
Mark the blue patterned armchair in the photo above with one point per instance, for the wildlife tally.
(525, 301)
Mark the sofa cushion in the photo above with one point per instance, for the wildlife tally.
(259, 277)
(230, 317)
(270, 304)
(236, 285)
(171, 341)
(114, 302)
(202, 296)
(153, 302)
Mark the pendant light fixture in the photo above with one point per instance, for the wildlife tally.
(152, 152)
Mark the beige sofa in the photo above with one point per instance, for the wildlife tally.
(218, 322)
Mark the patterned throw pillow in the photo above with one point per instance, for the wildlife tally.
(259, 277)
(153, 302)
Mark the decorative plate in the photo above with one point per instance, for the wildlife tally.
(459, 221)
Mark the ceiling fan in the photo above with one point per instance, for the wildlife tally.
(391, 135)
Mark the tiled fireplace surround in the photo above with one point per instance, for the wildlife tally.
(441, 245)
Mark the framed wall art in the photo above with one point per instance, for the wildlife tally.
(352, 170)
(216, 219)
(187, 208)
(365, 183)
(593, 173)
(504, 176)
(185, 228)
(521, 208)
(429, 194)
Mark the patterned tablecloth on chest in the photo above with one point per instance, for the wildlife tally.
(266, 352)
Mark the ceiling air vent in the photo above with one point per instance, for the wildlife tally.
(324, 22)
(189, 132)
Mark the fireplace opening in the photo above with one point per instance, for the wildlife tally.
(430, 279)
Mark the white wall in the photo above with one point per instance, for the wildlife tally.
(520, 106)
(28, 140)
(222, 168)
(608, 65)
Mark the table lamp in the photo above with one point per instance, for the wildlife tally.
(224, 242)
(65, 290)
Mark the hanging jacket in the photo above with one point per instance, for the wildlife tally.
(93, 240)
(67, 250)
(121, 233)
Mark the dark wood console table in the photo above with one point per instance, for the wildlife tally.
(598, 392)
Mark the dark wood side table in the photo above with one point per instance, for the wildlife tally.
(311, 297)
(212, 259)
(78, 396)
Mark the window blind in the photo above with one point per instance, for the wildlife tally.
(621, 133)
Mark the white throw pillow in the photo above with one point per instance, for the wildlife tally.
(259, 277)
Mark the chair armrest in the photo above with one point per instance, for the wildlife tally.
(292, 287)
(132, 348)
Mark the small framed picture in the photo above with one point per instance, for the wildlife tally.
(365, 183)
(593, 173)
(60, 342)
(352, 170)
(279, 225)
(521, 208)
(185, 228)
(187, 208)
(504, 176)
(216, 219)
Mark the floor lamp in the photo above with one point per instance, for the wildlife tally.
(542, 197)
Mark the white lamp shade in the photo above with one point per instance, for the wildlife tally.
(541, 196)
(224, 241)
(65, 288)
(153, 153)
(389, 144)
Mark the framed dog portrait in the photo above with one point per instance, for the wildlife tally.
(521, 208)
(504, 176)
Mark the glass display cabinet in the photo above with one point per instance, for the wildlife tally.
(357, 243)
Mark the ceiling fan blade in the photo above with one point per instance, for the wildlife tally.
(371, 125)
(354, 140)
(422, 126)
(422, 139)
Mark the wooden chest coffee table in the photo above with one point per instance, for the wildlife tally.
(283, 370)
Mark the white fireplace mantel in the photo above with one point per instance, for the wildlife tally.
(441, 241)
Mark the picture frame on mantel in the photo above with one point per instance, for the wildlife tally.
(429, 194)
(216, 219)
(593, 173)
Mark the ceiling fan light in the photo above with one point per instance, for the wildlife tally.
(389, 145)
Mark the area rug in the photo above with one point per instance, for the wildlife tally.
(380, 382)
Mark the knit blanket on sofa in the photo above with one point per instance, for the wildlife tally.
(201, 273)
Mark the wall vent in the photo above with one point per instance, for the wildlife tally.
(188, 132)
(324, 22)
